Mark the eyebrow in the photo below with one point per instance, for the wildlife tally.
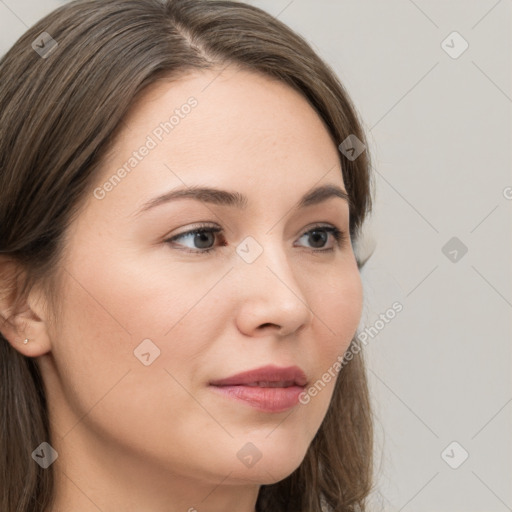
(238, 200)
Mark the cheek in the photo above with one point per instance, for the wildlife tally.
(113, 304)
(339, 305)
(105, 318)
(92, 344)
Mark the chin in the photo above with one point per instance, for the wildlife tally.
(266, 474)
(277, 461)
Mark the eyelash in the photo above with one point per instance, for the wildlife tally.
(338, 235)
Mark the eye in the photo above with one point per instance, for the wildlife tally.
(202, 235)
(203, 238)
(320, 235)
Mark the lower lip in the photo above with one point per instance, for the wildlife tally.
(264, 399)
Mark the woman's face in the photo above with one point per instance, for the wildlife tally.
(148, 324)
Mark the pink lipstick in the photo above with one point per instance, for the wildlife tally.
(269, 388)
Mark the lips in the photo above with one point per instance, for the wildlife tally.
(269, 389)
(266, 376)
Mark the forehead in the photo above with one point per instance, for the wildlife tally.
(230, 128)
(244, 107)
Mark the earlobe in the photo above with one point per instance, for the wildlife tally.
(26, 333)
(24, 329)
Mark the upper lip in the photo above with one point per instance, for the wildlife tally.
(287, 376)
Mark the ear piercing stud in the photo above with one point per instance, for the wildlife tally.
(26, 341)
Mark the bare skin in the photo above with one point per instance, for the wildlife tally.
(156, 437)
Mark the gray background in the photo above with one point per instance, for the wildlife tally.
(439, 132)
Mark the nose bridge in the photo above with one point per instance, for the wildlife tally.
(269, 284)
(266, 258)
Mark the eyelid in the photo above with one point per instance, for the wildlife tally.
(196, 227)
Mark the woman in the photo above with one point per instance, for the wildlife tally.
(182, 187)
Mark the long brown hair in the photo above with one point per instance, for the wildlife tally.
(59, 114)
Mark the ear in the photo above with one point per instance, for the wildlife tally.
(365, 245)
(25, 320)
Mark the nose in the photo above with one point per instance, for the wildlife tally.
(270, 298)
